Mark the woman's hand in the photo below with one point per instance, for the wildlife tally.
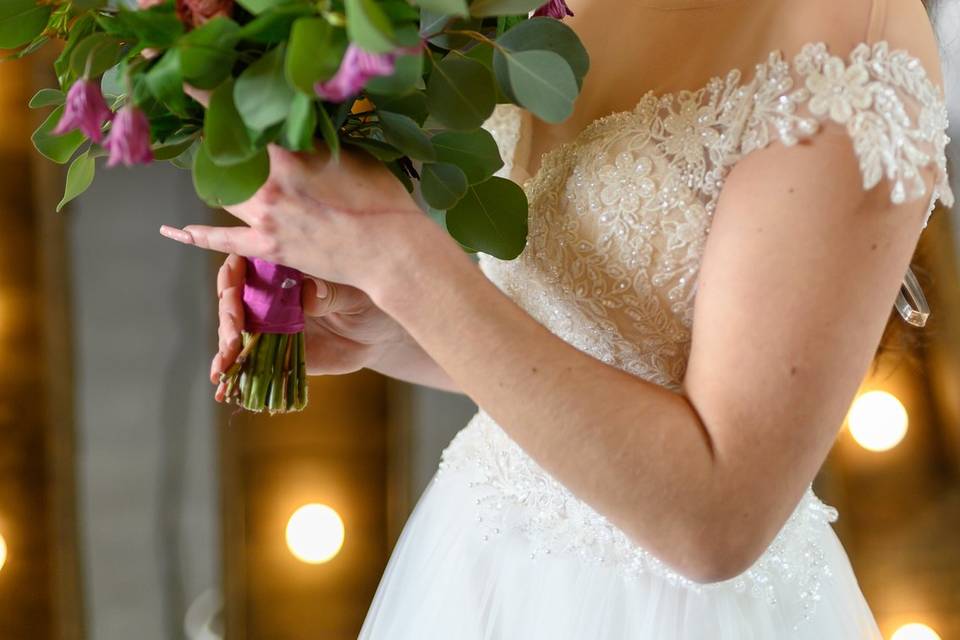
(344, 330)
(346, 222)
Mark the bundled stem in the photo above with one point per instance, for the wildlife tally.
(270, 374)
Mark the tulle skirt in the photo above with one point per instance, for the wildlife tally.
(446, 580)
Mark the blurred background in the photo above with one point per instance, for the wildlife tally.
(132, 505)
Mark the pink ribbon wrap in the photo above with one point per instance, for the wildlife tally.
(271, 298)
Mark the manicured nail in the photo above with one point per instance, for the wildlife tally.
(176, 234)
(322, 289)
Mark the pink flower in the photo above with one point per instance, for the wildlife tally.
(356, 69)
(554, 9)
(194, 13)
(129, 139)
(85, 110)
(146, 4)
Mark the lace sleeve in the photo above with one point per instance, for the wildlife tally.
(895, 115)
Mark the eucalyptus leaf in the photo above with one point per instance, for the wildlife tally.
(369, 26)
(261, 93)
(329, 132)
(82, 27)
(47, 98)
(314, 53)
(492, 218)
(157, 26)
(273, 26)
(544, 34)
(447, 7)
(56, 148)
(224, 186)
(207, 53)
(504, 7)
(474, 152)
(408, 71)
(300, 124)
(442, 184)
(377, 148)
(166, 84)
(94, 54)
(79, 177)
(21, 21)
(256, 7)
(227, 141)
(461, 93)
(543, 83)
(406, 135)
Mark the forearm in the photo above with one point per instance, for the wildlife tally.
(635, 451)
(408, 362)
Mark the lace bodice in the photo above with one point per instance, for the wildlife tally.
(618, 221)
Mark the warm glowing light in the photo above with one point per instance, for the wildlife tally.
(315, 533)
(878, 421)
(915, 631)
(3, 552)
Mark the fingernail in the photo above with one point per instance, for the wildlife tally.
(322, 289)
(176, 234)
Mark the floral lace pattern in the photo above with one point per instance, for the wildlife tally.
(618, 221)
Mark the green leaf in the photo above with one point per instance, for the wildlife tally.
(492, 218)
(174, 149)
(166, 84)
(157, 26)
(256, 7)
(83, 27)
(329, 132)
(544, 34)
(57, 148)
(474, 152)
(79, 178)
(226, 139)
(397, 170)
(314, 53)
(407, 74)
(442, 184)
(262, 94)
(406, 135)
(543, 83)
(461, 93)
(369, 26)
(47, 98)
(301, 123)
(207, 53)
(94, 54)
(446, 7)
(187, 158)
(273, 26)
(21, 21)
(431, 24)
(411, 104)
(504, 7)
(224, 186)
(378, 149)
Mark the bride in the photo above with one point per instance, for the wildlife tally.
(641, 465)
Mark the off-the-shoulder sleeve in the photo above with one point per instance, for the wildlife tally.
(895, 115)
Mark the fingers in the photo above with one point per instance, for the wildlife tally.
(243, 241)
(231, 273)
(321, 298)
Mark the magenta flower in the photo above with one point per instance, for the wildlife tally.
(85, 110)
(129, 139)
(356, 69)
(554, 9)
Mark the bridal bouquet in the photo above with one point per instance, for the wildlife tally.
(410, 84)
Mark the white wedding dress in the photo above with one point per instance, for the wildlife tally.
(498, 549)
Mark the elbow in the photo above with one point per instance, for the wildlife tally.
(716, 552)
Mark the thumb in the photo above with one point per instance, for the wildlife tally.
(322, 297)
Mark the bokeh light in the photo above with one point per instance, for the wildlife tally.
(915, 631)
(878, 420)
(315, 533)
(3, 552)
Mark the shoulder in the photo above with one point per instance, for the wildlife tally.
(883, 94)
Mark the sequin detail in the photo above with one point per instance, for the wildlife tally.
(618, 221)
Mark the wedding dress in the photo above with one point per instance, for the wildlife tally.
(496, 548)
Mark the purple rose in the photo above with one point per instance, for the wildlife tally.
(129, 138)
(356, 69)
(85, 110)
(554, 9)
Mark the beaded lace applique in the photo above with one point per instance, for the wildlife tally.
(618, 221)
